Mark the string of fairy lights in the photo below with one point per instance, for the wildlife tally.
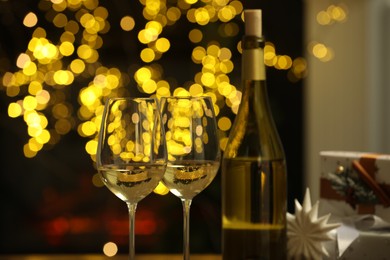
(48, 66)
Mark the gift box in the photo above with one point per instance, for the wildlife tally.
(355, 190)
(355, 183)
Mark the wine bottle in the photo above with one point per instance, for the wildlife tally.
(254, 174)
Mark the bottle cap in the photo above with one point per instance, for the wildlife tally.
(253, 25)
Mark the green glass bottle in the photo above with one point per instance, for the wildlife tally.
(254, 174)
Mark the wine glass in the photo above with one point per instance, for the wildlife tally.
(193, 151)
(131, 156)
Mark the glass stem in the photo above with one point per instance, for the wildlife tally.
(186, 228)
(132, 208)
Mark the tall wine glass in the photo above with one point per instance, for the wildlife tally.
(193, 151)
(131, 156)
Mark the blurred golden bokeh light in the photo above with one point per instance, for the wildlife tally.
(127, 23)
(110, 249)
(332, 14)
(30, 20)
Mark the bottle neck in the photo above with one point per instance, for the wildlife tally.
(253, 125)
(252, 66)
(253, 73)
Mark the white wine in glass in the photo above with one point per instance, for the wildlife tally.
(131, 156)
(193, 151)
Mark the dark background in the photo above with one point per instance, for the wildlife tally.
(48, 203)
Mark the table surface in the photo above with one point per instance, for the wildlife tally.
(102, 257)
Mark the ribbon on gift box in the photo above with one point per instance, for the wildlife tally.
(366, 168)
(368, 178)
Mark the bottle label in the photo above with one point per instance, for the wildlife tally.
(253, 64)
